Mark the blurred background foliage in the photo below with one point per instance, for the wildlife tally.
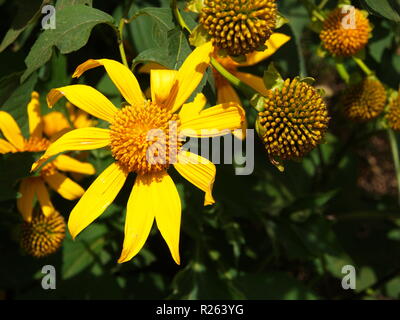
(271, 235)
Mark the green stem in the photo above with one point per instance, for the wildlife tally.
(363, 66)
(246, 89)
(178, 16)
(122, 23)
(322, 4)
(341, 69)
(396, 159)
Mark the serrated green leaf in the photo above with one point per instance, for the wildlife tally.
(73, 27)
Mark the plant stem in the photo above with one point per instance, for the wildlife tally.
(363, 66)
(395, 153)
(246, 89)
(341, 69)
(121, 42)
(322, 4)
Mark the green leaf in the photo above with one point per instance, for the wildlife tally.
(61, 4)
(273, 286)
(171, 56)
(272, 78)
(178, 48)
(389, 9)
(28, 12)
(158, 20)
(73, 27)
(84, 251)
(155, 55)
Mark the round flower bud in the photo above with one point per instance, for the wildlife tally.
(239, 26)
(294, 120)
(43, 235)
(365, 100)
(344, 32)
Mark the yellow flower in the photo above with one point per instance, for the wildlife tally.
(31, 186)
(225, 92)
(154, 195)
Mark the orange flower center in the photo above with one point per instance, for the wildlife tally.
(144, 139)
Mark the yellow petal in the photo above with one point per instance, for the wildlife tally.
(162, 83)
(67, 188)
(152, 196)
(167, 208)
(192, 109)
(214, 121)
(6, 147)
(198, 171)
(276, 41)
(146, 68)
(85, 98)
(226, 93)
(43, 197)
(34, 116)
(11, 130)
(96, 199)
(189, 76)
(78, 139)
(66, 163)
(55, 122)
(122, 77)
(139, 218)
(253, 81)
(25, 202)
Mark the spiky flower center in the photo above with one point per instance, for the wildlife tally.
(294, 120)
(43, 235)
(365, 100)
(144, 139)
(345, 32)
(393, 114)
(239, 26)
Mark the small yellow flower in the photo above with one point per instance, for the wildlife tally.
(154, 195)
(364, 101)
(294, 121)
(239, 26)
(342, 39)
(31, 186)
(225, 91)
(43, 235)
